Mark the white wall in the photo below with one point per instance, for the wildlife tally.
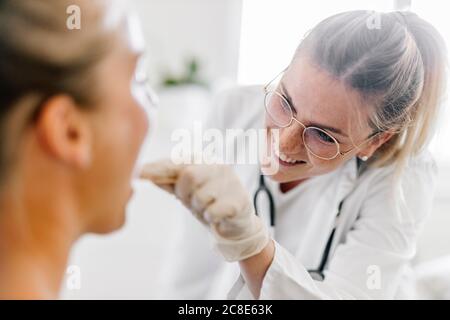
(177, 30)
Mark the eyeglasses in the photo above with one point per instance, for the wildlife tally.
(140, 86)
(317, 141)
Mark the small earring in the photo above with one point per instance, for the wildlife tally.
(364, 158)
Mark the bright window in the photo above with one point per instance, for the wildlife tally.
(272, 29)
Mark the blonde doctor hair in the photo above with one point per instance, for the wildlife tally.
(398, 67)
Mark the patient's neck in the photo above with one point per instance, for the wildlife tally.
(36, 235)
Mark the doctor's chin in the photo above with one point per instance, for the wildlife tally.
(224, 155)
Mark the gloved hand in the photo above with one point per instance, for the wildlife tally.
(215, 195)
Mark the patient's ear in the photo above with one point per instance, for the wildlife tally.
(63, 131)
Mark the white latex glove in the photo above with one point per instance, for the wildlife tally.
(215, 195)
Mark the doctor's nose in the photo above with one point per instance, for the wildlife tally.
(291, 141)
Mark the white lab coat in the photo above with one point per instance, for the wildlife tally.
(374, 243)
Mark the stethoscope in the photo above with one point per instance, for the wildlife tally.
(316, 274)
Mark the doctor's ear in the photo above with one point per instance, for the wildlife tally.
(63, 131)
(377, 141)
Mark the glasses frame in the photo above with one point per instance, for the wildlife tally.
(338, 151)
(141, 82)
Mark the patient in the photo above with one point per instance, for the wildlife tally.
(71, 129)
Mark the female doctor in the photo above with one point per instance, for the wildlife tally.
(354, 110)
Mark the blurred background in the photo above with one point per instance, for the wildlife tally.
(197, 48)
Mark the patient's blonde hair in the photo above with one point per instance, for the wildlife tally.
(398, 67)
(40, 57)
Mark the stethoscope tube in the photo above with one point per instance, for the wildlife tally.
(316, 274)
(262, 188)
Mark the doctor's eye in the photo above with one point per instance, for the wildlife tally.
(321, 135)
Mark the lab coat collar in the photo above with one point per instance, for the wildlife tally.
(348, 178)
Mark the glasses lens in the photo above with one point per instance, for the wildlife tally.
(320, 143)
(278, 109)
